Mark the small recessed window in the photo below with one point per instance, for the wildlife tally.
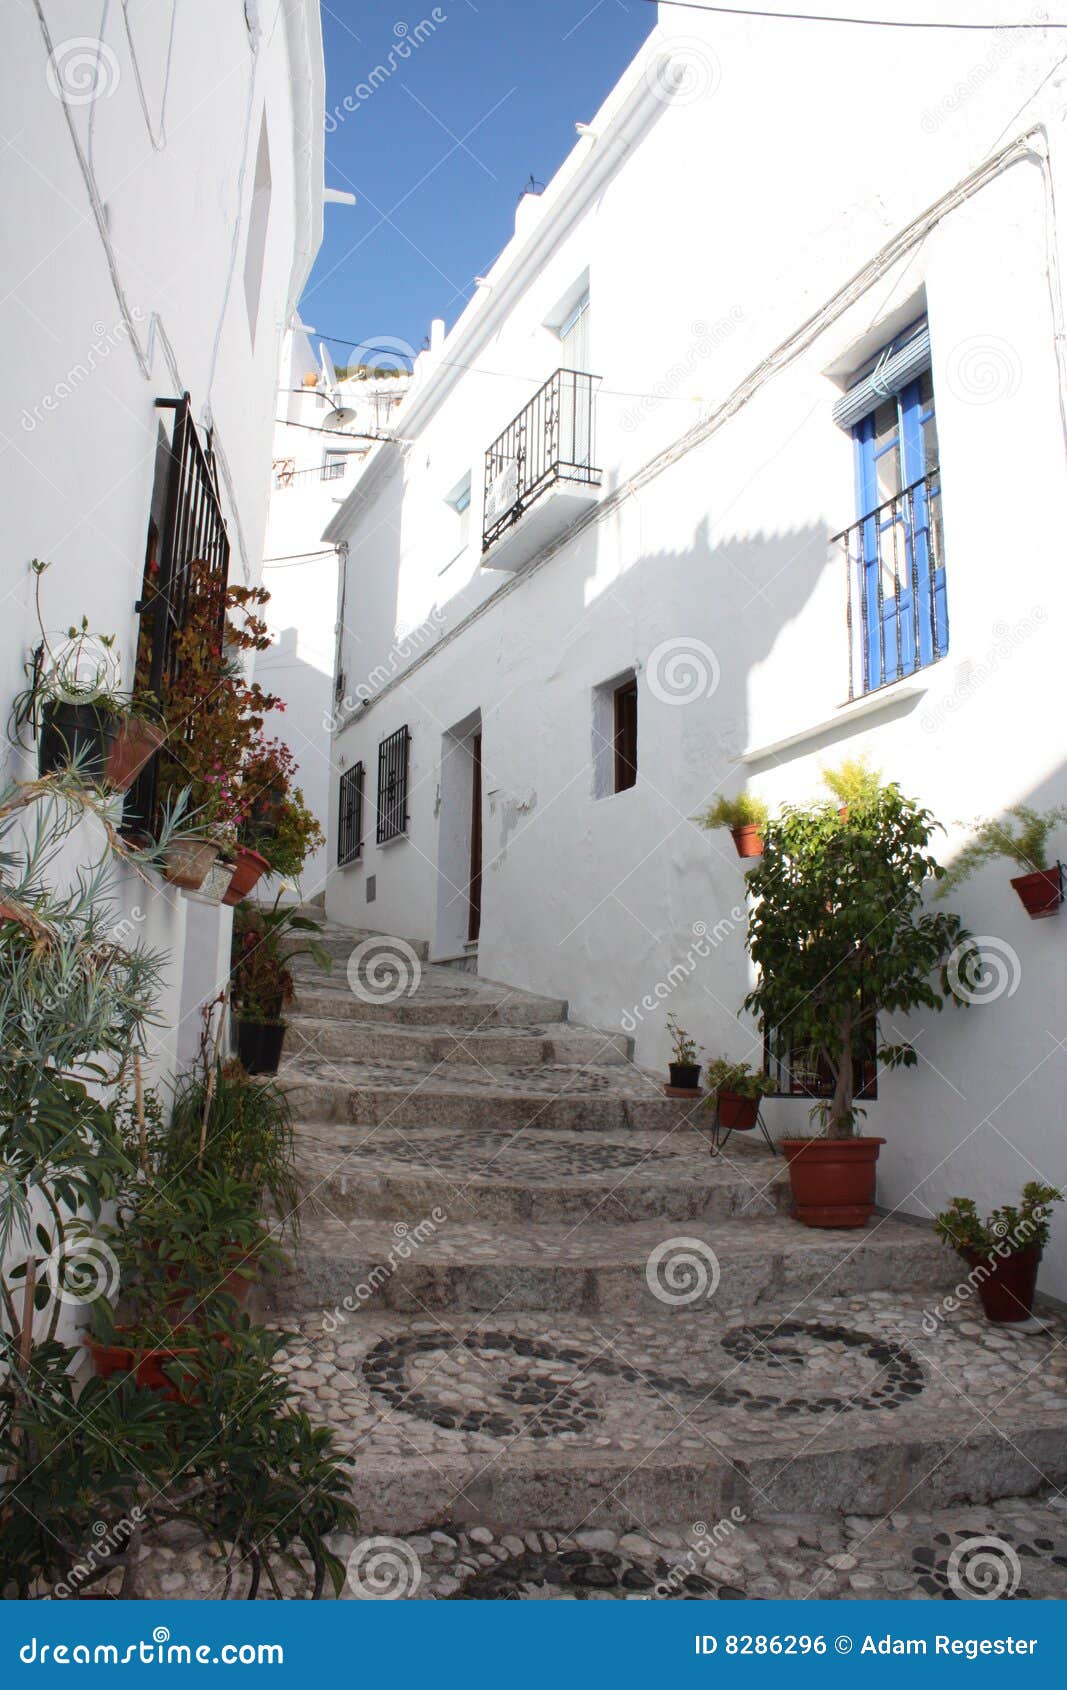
(459, 501)
(615, 736)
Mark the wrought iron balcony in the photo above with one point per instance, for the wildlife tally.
(544, 457)
(897, 609)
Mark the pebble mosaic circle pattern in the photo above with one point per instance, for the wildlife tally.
(583, 1575)
(503, 1385)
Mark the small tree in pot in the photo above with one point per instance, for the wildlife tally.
(840, 936)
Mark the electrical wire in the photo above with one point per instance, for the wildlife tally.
(343, 433)
(827, 17)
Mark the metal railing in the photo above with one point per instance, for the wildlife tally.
(285, 476)
(550, 440)
(896, 608)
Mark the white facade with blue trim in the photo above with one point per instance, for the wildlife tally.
(810, 492)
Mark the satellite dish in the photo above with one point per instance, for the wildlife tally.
(329, 374)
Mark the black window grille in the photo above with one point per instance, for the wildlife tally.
(193, 532)
(806, 1073)
(393, 786)
(350, 817)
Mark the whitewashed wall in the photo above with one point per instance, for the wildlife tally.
(127, 208)
(721, 238)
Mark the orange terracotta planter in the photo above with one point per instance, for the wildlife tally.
(748, 840)
(736, 1112)
(833, 1179)
(1041, 892)
(134, 743)
(251, 867)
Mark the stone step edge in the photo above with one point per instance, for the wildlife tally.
(562, 1490)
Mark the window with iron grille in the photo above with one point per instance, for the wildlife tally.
(806, 1073)
(393, 786)
(189, 541)
(350, 817)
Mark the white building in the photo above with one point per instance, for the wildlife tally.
(758, 211)
(326, 428)
(162, 208)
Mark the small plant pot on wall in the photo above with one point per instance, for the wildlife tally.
(251, 867)
(134, 743)
(737, 1113)
(748, 840)
(684, 1079)
(1006, 1284)
(833, 1179)
(188, 862)
(216, 882)
(1041, 892)
(259, 1045)
(75, 732)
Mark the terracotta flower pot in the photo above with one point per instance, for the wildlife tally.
(188, 862)
(134, 743)
(148, 1365)
(1007, 1283)
(833, 1179)
(737, 1112)
(748, 839)
(250, 868)
(1041, 892)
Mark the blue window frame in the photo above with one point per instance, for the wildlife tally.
(898, 556)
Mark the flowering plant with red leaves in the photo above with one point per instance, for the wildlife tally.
(265, 941)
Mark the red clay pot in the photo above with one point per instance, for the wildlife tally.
(833, 1179)
(134, 743)
(1008, 1284)
(148, 1365)
(736, 1112)
(748, 840)
(1041, 892)
(250, 868)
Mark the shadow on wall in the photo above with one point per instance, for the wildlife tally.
(304, 728)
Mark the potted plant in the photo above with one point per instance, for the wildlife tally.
(734, 1091)
(839, 936)
(746, 818)
(1004, 1251)
(853, 783)
(1021, 835)
(684, 1069)
(188, 863)
(235, 1124)
(265, 942)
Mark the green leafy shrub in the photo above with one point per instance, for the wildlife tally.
(1006, 1231)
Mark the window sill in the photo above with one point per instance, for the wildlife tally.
(397, 839)
(898, 696)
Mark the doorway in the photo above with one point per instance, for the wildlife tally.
(459, 841)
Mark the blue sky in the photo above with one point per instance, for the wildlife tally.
(438, 152)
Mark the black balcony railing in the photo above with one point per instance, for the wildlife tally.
(897, 611)
(550, 440)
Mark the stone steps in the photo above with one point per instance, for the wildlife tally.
(840, 1406)
(478, 1174)
(323, 1035)
(596, 1266)
(466, 1007)
(591, 1098)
